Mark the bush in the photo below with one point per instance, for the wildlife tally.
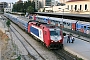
(8, 23)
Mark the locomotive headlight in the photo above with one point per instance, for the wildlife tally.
(52, 41)
(59, 40)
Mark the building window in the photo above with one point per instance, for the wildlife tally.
(85, 6)
(68, 7)
(80, 7)
(75, 7)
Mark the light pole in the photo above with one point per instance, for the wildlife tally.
(62, 4)
(62, 20)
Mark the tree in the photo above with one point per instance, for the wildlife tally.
(30, 9)
(22, 7)
(26, 5)
(14, 8)
(19, 57)
(8, 23)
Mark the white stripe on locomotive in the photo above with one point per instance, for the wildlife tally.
(40, 33)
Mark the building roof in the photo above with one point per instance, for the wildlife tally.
(76, 0)
(66, 14)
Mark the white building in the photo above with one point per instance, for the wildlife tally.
(72, 6)
(37, 4)
(42, 3)
(81, 6)
(9, 7)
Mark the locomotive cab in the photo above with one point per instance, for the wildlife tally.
(56, 38)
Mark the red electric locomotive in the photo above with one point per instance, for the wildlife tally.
(50, 35)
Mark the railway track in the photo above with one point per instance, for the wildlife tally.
(64, 55)
(33, 57)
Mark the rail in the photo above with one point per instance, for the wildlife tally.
(29, 44)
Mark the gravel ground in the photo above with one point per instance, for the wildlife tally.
(7, 50)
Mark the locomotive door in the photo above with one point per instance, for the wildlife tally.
(41, 34)
(45, 36)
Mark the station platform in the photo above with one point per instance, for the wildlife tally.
(80, 48)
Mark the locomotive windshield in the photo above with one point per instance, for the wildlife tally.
(88, 28)
(55, 33)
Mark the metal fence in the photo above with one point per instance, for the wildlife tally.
(77, 33)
